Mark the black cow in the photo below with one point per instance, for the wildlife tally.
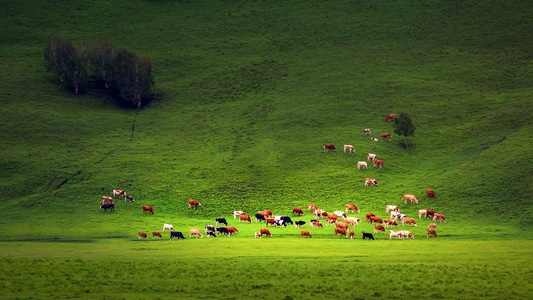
(110, 206)
(128, 198)
(280, 223)
(368, 236)
(259, 217)
(221, 221)
(286, 219)
(299, 224)
(209, 228)
(211, 234)
(223, 230)
(176, 234)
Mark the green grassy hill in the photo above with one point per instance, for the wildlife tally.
(251, 90)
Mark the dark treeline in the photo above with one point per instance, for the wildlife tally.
(124, 75)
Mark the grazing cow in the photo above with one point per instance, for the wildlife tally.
(430, 213)
(176, 234)
(259, 217)
(373, 139)
(343, 225)
(367, 131)
(362, 164)
(349, 148)
(168, 227)
(440, 217)
(407, 234)
(297, 211)
(352, 233)
(107, 199)
(311, 207)
(339, 213)
(266, 213)
(432, 225)
(257, 235)
(373, 182)
(221, 221)
(156, 234)
(316, 224)
(391, 223)
(305, 233)
(245, 218)
(280, 223)
(108, 206)
(196, 233)
(193, 203)
(409, 221)
(351, 207)
(286, 219)
(370, 156)
(396, 215)
(299, 224)
(422, 212)
(270, 221)
(329, 148)
(340, 231)
(266, 232)
(332, 217)
(209, 228)
(237, 213)
(147, 208)
(319, 213)
(431, 232)
(390, 117)
(410, 198)
(385, 135)
(395, 233)
(368, 236)
(232, 230)
(128, 198)
(378, 163)
(141, 235)
(352, 221)
(389, 207)
(379, 228)
(119, 193)
(368, 215)
(430, 194)
(222, 230)
(375, 219)
(211, 234)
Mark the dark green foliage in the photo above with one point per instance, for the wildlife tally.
(69, 62)
(403, 125)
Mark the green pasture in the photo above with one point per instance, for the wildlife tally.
(246, 95)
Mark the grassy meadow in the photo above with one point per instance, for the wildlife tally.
(248, 93)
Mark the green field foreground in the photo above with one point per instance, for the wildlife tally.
(286, 268)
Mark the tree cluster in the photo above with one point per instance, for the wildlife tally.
(122, 74)
(403, 125)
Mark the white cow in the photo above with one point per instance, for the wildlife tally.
(422, 212)
(340, 213)
(371, 156)
(168, 226)
(351, 220)
(395, 233)
(391, 208)
(371, 181)
(373, 139)
(362, 164)
(367, 131)
(119, 193)
(349, 148)
(237, 213)
(407, 234)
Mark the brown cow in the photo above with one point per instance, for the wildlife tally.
(351, 207)
(193, 203)
(340, 231)
(431, 232)
(329, 148)
(432, 226)
(265, 232)
(232, 230)
(352, 233)
(297, 211)
(430, 213)
(316, 224)
(368, 215)
(107, 199)
(311, 207)
(147, 208)
(391, 223)
(270, 221)
(156, 234)
(378, 162)
(370, 181)
(343, 225)
(440, 217)
(305, 233)
(410, 198)
(141, 235)
(245, 218)
(375, 219)
(196, 233)
(379, 228)
(385, 135)
(409, 221)
(390, 117)
(430, 194)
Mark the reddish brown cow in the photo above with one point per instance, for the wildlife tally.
(385, 135)
(368, 215)
(193, 203)
(265, 232)
(107, 199)
(391, 223)
(329, 147)
(270, 221)
(333, 217)
(431, 232)
(410, 198)
(351, 207)
(342, 225)
(305, 233)
(266, 213)
(147, 208)
(340, 231)
(375, 219)
(196, 233)
(352, 233)
(409, 221)
(156, 234)
(316, 224)
(378, 162)
(245, 218)
(379, 228)
(432, 226)
(141, 235)
(430, 194)
(390, 117)
(430, 213)
(232, 230)
(297, 211)
(440, 217)
(311, 207)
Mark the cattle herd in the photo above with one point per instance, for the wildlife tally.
(342, 223)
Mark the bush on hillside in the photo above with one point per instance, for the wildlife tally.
(403, 125)
(125, 76)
